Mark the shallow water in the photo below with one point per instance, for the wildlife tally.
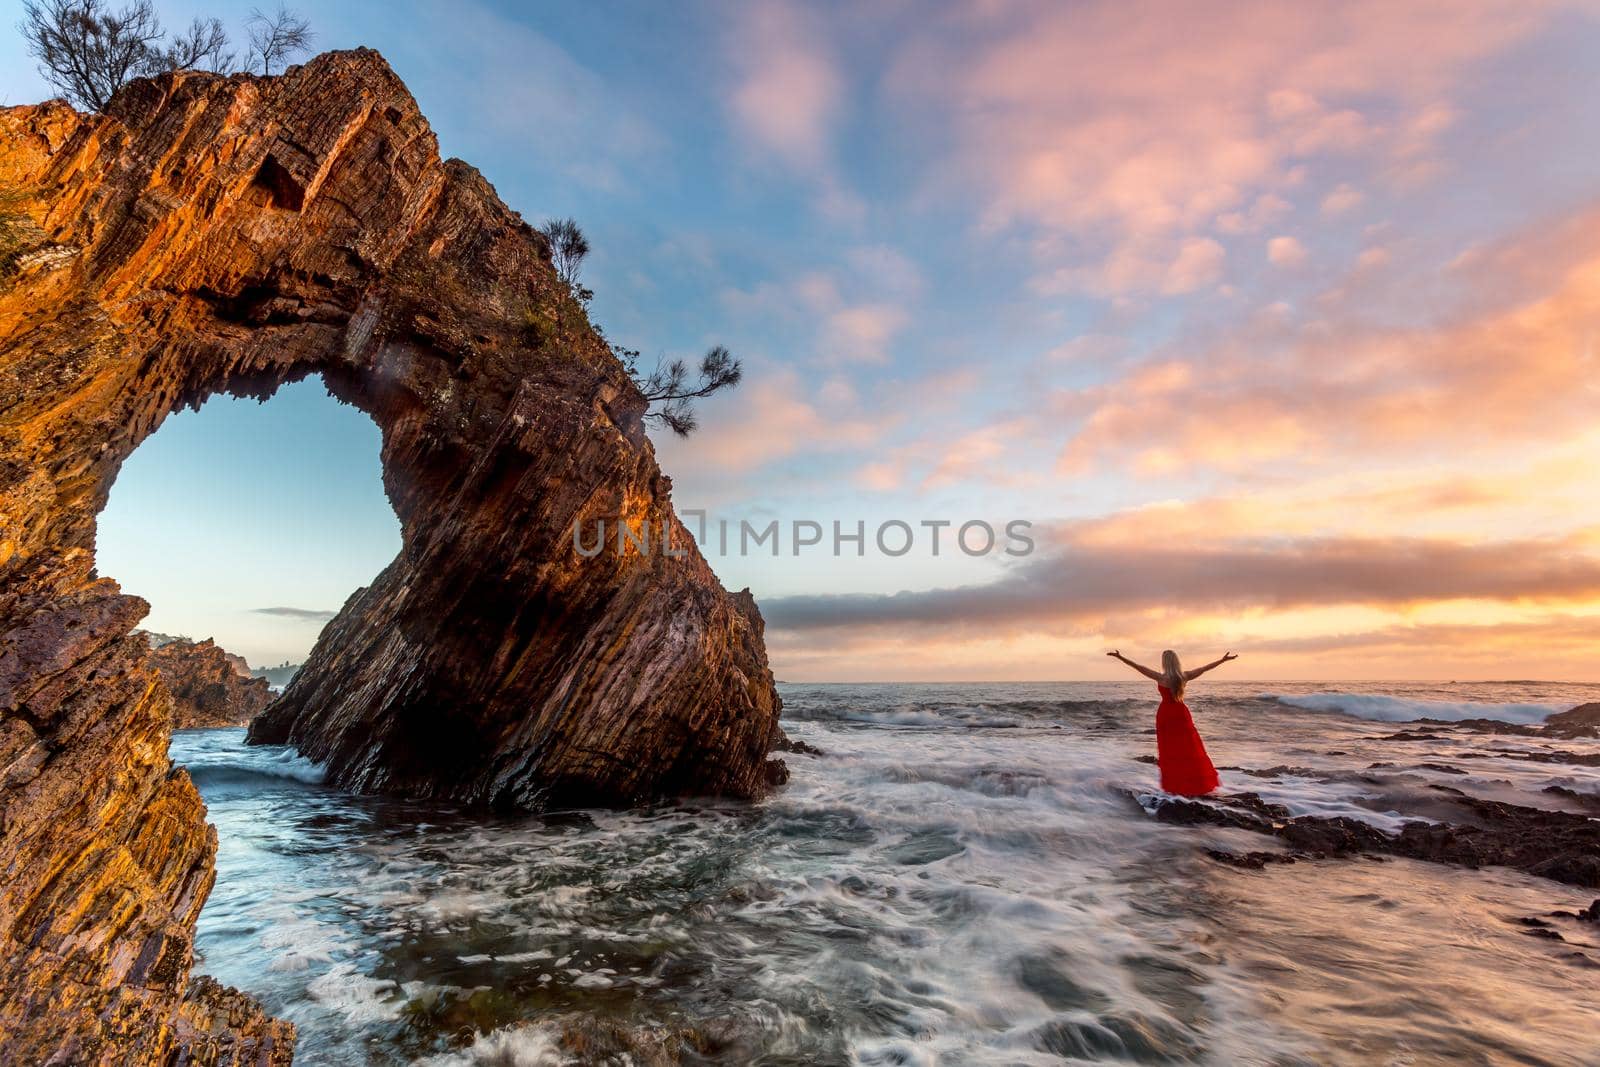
(966, 878)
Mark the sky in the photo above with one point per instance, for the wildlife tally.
(1278, 323)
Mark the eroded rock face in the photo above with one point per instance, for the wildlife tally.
(229, 235)
(209, 686)
(105, 854)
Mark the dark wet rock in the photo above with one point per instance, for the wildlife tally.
(1244, 810)
(1577, 759)
(1135, 1037)
(1145, 759)
(1557, 845)
(1409, 735)
(797, 747)
(1591, 914)
(1442, 768)
(1484, 726)
(1046, 976)
(1584, 800)
(1548, 935)
(1279, 771)
(1250, 861)
(1581, 721)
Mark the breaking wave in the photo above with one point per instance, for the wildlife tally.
(1398, 709)
(220, 757)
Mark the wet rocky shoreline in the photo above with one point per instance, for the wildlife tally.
(1442, 824)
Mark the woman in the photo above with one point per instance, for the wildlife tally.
(1185, 767)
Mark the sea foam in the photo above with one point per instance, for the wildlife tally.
(1398, 709)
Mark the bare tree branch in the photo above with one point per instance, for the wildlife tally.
(204, 46)
(669, 385)
(276, 37)
(86, 51)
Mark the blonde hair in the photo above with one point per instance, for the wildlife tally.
(1172, 674)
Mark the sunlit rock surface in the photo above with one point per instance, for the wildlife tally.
(209, 686)
(218, 234)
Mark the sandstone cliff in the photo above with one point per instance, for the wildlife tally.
(209, 686)
(216, 234)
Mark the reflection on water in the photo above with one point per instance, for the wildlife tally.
(963, 880)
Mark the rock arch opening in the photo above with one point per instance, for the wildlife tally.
(250, 523)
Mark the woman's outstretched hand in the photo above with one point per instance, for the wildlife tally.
(1115, 654)
(1226, 656)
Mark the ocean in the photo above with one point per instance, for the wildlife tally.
(969, 875)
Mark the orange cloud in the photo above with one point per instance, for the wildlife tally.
(768, 420)
(1079, 581)
(1516, 364)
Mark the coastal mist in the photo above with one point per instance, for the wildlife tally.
(968, 873)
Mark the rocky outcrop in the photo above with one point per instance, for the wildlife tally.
(105, 854)
(216, 234)
(210, 687)
(1562, 846)
(1581, 721)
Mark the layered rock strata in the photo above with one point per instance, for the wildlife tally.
(214, 234)
(210, 687)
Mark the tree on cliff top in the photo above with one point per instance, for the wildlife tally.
(87, 51)
(670, 386)
(568, 247)
(276, 37)
(204, 46)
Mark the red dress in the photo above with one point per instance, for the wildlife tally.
(1185, 767)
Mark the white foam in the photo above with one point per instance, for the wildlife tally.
(358, 997)
(268, 761)
(1398, 709)
(295, 944)
(511, 1046)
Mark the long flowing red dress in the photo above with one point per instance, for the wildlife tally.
(1185, 767)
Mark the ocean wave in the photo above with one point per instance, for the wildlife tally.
(995, 715)
(254, 765)
(1399, 709)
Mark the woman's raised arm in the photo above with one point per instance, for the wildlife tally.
(1213, 665)
(1154, 676)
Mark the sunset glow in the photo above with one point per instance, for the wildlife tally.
(1278, 321)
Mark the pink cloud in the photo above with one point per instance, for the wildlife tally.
(1344, 198)
(1129, 127)
(861, 333)
(788, 90)
(1286, 252)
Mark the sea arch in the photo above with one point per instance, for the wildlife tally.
(226, 235)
